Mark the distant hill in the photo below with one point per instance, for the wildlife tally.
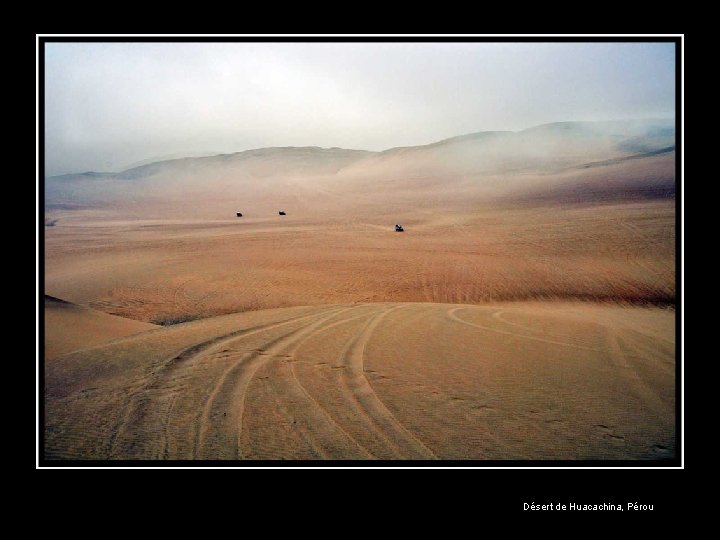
(477, 165)
(168, 157)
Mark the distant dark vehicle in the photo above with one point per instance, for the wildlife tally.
(239, 214)
(282, 213)
(399, 228)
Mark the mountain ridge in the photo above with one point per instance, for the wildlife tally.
(131, 172)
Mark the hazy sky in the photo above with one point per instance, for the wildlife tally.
(109, 105)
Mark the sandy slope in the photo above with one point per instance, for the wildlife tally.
(69, 327)
(567, 210)
(596, 160)
(159, 271)
(390, 381)
(543, 218)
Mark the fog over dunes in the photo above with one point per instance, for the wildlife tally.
(407, 251)
(112, 104)
(589, 159)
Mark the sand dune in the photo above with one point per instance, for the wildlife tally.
(504, 323)
(476, 168)
(169, 271)
(376, 381)
(69, 327)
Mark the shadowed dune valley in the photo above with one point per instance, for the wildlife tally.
(499, 297)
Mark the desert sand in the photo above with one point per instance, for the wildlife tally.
(527, 311)
(70, 327)
(172, 271)
(376, 381)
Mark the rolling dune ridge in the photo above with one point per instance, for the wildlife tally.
(70, 327)
(527, 312)
(376, 381)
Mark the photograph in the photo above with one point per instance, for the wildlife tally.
(359, 251)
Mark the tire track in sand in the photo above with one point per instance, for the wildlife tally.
(395, 440)
(320, 433)
(454, 317)
(216, 433)
(315, 402)
(499, 316)
(156, 396)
